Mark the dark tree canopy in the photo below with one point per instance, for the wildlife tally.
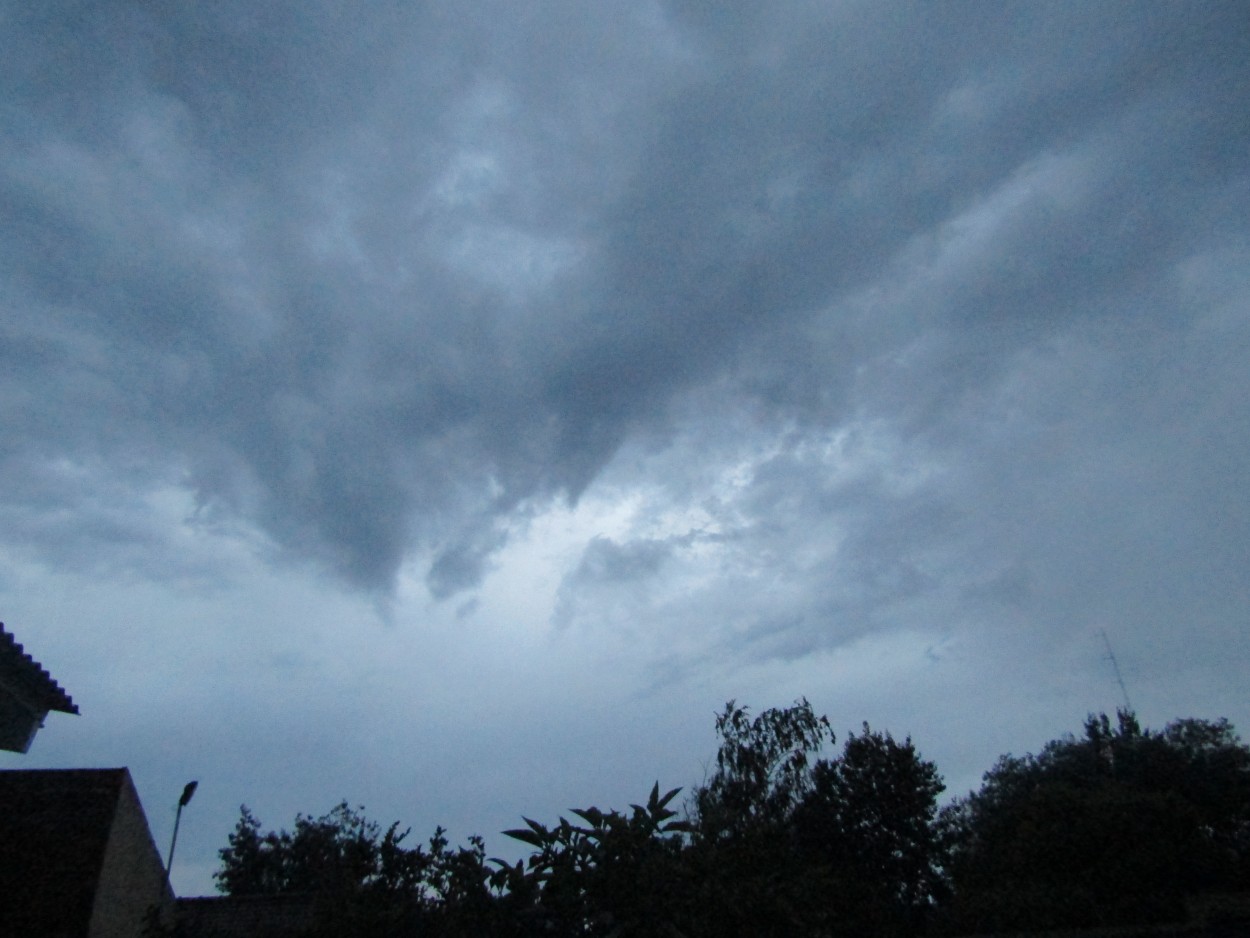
(339, 850)
(363, 880)
(763, 768)
(869, 819)
(611, 874)
(788, 842)
(1119, 826)
(749, 879)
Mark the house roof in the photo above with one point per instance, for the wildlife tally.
(54, 830)
(22, 673)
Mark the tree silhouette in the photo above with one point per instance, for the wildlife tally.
(1115, 827)
(869, 820)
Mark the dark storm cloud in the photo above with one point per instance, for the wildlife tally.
(376, 281)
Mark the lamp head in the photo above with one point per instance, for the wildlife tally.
(187, 793)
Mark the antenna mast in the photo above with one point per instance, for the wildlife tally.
(1115, 665)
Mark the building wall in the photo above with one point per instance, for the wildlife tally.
(132, 874)
(54, 830)
(20, 719)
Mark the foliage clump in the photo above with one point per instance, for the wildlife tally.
(1117, 827)
(1120, 826)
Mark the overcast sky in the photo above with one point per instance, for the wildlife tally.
(449, 406)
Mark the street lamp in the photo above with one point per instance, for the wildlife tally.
(187, 792)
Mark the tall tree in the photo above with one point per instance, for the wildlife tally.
(869, 819)
(763, 769)
(748, 877)
(1114, 827)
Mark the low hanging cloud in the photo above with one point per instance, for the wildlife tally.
(377, 285)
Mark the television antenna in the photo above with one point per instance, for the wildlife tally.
(1115, 666)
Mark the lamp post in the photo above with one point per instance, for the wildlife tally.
(187, 792)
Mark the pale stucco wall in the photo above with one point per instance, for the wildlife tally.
(132, 876)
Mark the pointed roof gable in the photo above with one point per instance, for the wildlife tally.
(76, 854)
(29, 675)
(27, 693)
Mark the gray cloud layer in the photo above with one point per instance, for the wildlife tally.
(380, 283)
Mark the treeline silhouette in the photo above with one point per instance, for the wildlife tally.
(1119, 826)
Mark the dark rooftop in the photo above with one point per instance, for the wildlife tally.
(23, 673)
(54, 829)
